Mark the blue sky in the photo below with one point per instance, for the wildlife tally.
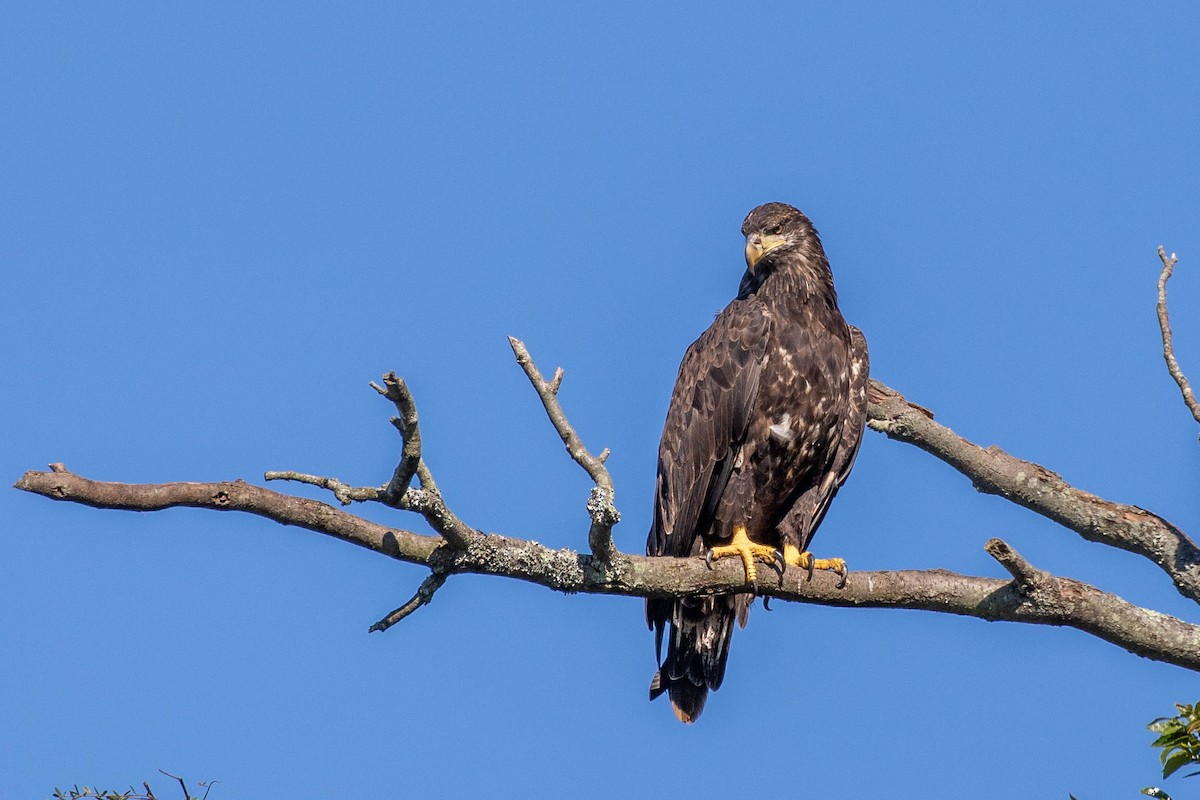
(220, 222)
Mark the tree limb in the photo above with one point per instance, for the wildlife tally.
(1164, 325)
(1053, 601)
(1031, 485)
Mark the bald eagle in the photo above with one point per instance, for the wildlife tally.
(763, 427)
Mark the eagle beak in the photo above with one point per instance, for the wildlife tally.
(758, 245)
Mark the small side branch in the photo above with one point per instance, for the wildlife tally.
(1027, 577)
(424, 594)
(600, 505)
(428, 504)
(1164, 324)
(397, 493)
(548, 392)
(396, 390)
(345, 493)
(186, 794)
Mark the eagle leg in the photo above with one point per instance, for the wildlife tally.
(806, 561)
(746, 549)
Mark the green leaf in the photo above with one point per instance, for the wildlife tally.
(1171, 738)
(1179, 759)
(1155, 792)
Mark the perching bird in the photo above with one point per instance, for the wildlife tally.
(763, 427)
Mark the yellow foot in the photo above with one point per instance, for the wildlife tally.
(748, 550)
(805, 561)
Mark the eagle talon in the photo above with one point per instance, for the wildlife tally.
(747, 550)
(708, 557)
(807, 562)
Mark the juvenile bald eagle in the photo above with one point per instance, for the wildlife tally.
(762, 430)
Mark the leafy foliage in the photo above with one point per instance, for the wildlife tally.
(1179, 739)
(76, 792)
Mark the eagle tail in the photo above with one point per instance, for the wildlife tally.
(697, 649)
(687, 698)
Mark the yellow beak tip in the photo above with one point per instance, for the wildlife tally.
(754, 252)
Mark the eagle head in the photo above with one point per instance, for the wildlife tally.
(775, 227)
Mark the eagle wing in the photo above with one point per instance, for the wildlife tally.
(809, 510)
(706, 425)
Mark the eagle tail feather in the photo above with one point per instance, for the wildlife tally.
(697, 651)
(687, 698)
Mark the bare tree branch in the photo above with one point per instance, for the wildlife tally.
(344, 492)
(426, 501)
(61, 484)
(994, 471)
(406, 422)
(1164, 325)
(600, 504)
(424, 594)
(186, 795)
(1054, 601)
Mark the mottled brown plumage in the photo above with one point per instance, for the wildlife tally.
(763, 427)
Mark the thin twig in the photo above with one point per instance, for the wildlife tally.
(182, 785)
(1164, 324)
(422, 597)
(345, 493)
(600, 504)
(428, 504)
(548, 392)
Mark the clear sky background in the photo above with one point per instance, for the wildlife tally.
(219, 222)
